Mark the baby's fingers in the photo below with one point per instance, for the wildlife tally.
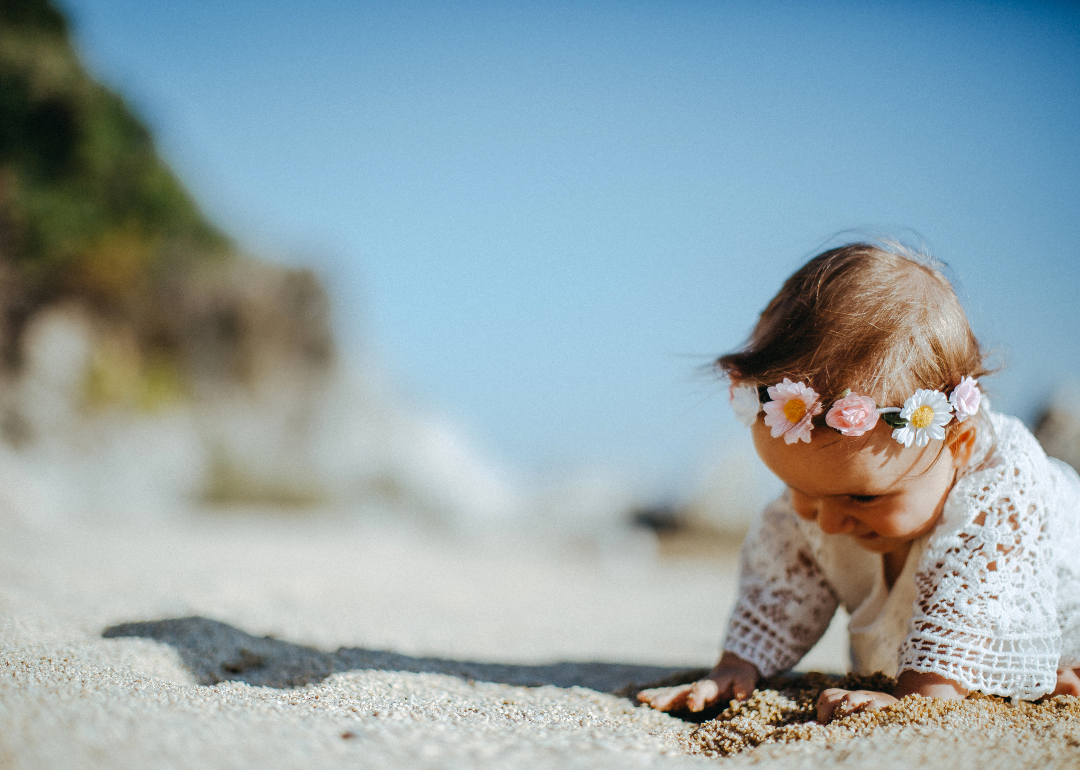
(703, 693)
(666, 698)
(836, 702)
(829, 701)
(742, 686)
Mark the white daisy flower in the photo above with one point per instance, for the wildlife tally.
(745, 403)
(927, 413)
(793, 407)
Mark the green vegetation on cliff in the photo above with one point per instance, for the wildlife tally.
(88, 210)
(92, 219)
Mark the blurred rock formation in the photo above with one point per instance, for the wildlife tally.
(146, 364)
(90, 216)
(1058, 428)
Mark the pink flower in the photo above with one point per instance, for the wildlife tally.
(965, 398)
(853, 415)
(791, 410)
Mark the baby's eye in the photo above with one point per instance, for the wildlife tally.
(863, 499)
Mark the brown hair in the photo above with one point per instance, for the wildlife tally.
(880, 320)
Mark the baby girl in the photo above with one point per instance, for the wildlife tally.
(939, 525)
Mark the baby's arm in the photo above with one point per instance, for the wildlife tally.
(785, 601)
(784, 606)
(733, 677)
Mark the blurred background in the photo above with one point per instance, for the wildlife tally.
(466, 264)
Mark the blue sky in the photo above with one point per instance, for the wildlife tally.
(543, 217)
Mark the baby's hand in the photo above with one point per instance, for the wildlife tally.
(733, 677)
(839, 703)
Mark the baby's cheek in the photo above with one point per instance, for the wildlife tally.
(804, 506)
(904, 523)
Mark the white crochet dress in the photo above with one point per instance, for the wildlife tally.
(989, 599)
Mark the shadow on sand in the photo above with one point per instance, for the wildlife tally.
(216, 652)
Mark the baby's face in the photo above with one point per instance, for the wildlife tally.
(875, 490)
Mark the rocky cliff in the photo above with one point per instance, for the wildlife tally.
(145, 363)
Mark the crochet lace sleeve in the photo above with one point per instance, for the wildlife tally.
(985, 614)
(785, 604)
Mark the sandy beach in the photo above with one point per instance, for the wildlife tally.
(356, 405)
(237, 641)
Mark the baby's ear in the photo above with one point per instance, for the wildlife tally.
(962, 444)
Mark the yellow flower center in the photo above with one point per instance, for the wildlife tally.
(922, 417)
(794, 409)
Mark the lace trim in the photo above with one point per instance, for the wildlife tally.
(1022, 667)
(785, 603)
(985, 614)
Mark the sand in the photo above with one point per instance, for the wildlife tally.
(239, 641)
(778, 721)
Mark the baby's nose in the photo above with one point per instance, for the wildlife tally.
(833, 522)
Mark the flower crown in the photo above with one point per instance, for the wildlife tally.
(790, 408)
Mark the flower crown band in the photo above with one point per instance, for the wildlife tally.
(790, 408)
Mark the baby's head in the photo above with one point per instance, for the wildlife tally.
(854, 336)
(879, 321)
